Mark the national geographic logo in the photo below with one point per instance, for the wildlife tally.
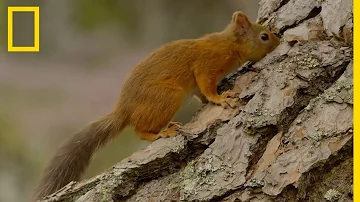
(34, 47)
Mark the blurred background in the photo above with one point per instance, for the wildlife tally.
(87, 47)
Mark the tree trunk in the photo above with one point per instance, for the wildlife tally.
(292, 141)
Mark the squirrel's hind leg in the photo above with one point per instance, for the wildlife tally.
(169, 132)
(152, 116)
(148, 136)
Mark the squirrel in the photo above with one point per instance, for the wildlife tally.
(156, 88)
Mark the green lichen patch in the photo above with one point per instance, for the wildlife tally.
(340, 92)
(318, 135)
(196, 177)
(306, 61)
(332, 195)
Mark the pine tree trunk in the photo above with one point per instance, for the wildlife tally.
(292, 141)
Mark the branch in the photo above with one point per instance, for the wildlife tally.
(294, 133)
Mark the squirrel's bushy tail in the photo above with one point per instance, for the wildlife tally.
(71, 160)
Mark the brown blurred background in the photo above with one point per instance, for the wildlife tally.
(87, 47)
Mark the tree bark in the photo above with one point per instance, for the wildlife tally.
(292, 141)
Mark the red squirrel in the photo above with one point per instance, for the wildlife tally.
(156, 88)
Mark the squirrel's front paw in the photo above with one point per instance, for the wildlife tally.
(230, 94)
(230, 102)
(230, 99)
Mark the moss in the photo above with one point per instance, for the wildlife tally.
(256, 183)
(188, 184)
(332, 195)
(312, 104)
(306, 61)
(318, 135)
(341, 91)
(195, 177)
(258, 119)
(105, 193)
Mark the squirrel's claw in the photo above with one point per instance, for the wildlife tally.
(230, 94)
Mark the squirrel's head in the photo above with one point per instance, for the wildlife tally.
(253, 41)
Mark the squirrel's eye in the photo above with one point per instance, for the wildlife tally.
(264, 36)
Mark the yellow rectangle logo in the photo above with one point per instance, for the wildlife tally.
(35, 48)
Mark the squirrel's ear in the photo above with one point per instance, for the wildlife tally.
(241, 20)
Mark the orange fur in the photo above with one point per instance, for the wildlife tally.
(156, 88)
